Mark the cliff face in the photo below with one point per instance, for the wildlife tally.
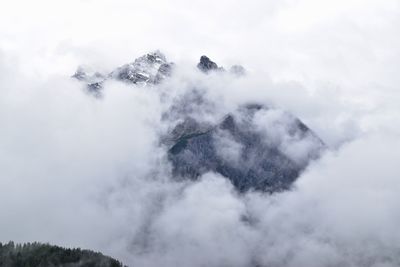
(242, 152)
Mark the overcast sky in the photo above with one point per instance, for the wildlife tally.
(74, 169)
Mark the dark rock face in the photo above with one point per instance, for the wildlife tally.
(206, 64)
(164, 71)
(237, 149)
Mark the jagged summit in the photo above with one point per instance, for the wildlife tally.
(207, 65)
(148, 69)
(252, 158)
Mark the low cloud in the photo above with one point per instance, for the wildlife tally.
(87, 172)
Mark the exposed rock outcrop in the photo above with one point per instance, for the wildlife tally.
(239, 149)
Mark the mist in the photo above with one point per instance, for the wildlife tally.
(81, 171)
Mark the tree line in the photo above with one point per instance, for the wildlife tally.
(45, 255)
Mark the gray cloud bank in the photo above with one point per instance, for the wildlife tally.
(79, 171)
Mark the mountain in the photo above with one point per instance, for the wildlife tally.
(207, 65)
(149, 69)
(44, 255)
(255, 146)
(242, 152)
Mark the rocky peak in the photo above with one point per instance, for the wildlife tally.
(206, 65)
(148, 69)
(252, 158)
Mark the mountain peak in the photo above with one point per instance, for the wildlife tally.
(250, 145)
(206, 64)
(148, 69)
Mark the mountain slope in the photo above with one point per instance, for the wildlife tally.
(237, 149)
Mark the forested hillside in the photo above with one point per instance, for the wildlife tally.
(45, 255)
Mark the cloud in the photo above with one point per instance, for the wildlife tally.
(227, 148)
(79, 171)
(343, 207)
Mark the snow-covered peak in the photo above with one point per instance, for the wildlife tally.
(150, 68)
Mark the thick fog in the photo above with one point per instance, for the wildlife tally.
(81, 171)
